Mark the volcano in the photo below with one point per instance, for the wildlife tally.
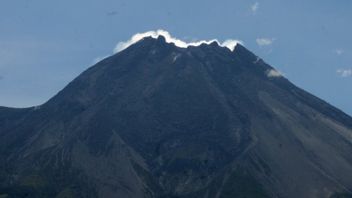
(156, 120)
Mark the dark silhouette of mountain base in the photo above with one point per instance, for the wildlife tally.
(156, 120)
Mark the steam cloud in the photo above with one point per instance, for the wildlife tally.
(272, 73)
(230, 43)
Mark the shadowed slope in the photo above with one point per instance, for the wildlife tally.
(156, 120)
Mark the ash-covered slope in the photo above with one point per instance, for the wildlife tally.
(156, 120)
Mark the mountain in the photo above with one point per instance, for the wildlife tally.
(156, 120)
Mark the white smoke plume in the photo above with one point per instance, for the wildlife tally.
(272, 73)
(230, 43)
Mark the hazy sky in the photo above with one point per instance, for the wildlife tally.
(45, 44)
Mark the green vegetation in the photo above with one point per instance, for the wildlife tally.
(66, 193)
(33, 181)
(242, 185)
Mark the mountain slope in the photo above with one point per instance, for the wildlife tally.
(156, 120)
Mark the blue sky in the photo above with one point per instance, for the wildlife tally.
(45, 44)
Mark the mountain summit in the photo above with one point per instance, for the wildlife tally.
(156, 120)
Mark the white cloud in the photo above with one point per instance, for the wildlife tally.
(272, 73)
(264, 41)
(344, 72)
(339, 51)
(230, 43)
(255, 7)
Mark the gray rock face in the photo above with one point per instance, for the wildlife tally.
(156, 121)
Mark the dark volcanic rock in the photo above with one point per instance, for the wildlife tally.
(156, 120)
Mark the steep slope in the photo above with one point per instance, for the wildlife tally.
(156, 120)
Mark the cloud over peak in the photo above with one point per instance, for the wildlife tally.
(272, 73)
(230, 43)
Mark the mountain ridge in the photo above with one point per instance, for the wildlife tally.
(156, 120)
